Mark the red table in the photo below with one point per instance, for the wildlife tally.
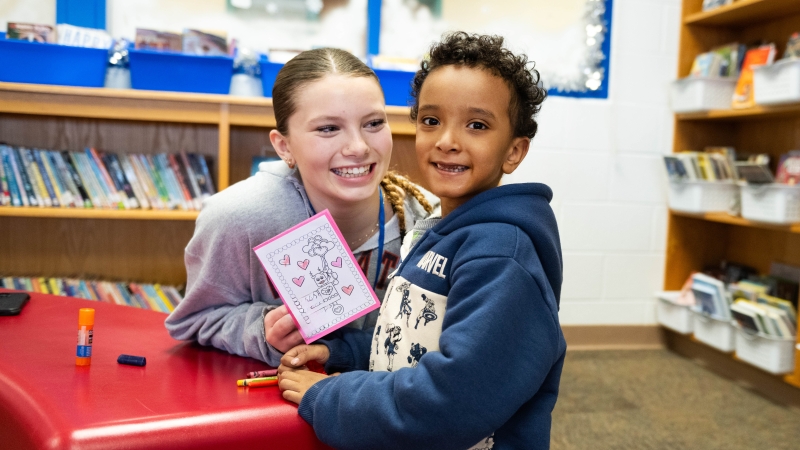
(185, 397)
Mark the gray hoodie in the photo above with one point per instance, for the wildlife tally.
(227, 292)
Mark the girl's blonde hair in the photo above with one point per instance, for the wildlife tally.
(396, 188)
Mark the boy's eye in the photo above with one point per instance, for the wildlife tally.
(477, 126)
(328, 129)
(430, 121)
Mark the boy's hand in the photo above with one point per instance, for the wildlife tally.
(280, 331)
(299, 356)
(295, 383)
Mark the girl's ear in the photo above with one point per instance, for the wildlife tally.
(516, 153)
(281, 145)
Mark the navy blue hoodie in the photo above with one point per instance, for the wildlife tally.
(467, 351)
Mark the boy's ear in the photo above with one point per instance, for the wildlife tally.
(281, 146)
(516, 153)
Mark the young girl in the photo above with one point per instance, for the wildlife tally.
(336, 145)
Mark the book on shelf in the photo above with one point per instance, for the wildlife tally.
(789, 168)
(157, 40)
(724, 61)
(119, 181)
(793, 46)
(31, 32)
(97, 179)
(711, 296)
(156, 297)
(708, 5)
(196, 42)
(754, 173)
(5, 192)
(710, 165)
(743, 94)
(83, 36)
(763, 318)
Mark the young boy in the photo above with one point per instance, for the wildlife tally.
(467, 351)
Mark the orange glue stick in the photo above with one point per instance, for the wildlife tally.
(85, 335)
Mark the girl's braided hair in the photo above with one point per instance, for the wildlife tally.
(396, 188)
(314, 65)
(487, 52)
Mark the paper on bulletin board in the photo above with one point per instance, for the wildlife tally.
(317, 277)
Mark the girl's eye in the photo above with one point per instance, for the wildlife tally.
(328, 129)
(477, 126)
(376, 123)
(430, 121)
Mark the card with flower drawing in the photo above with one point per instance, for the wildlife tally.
(317, 276)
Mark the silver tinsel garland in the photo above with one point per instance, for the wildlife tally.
(592, 75)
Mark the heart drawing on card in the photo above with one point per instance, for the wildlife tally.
(348, 289)
(299, 280)
(303, 264)
(337, 262)
(284, 261)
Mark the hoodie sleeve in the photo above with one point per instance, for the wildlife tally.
(218, 309)
(499, 341)
(349, 349)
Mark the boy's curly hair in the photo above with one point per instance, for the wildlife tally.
(487, 52)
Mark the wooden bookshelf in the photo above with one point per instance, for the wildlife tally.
(141, 246)
(695, 241)
(740, 221)
(743, 13)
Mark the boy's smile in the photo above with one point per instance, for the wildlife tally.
(465, 139)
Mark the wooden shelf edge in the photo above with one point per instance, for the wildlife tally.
(743, 12)
(73, 213)
(756, 112)
(736, 220)
(97, 103)
(188, 97)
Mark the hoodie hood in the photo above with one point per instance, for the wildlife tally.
(526, 206)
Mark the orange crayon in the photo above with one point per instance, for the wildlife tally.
(83, 356)
(258, 382)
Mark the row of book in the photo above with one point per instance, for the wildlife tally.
(721, 163)
(154, 297)
(713, 164)
(95, 179)
(736, 61)
(761, 304)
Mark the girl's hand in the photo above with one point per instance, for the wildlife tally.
(280, 331)
(299, 356)
(295, 383)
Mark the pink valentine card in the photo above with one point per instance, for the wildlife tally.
(317, 276)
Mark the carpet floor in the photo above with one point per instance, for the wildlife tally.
(655, 399)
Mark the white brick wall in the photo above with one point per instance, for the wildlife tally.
(603, 160)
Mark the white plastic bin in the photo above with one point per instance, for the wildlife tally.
(695, 94)
(777, 83)
(675, 317)
(703, 196)
(714, 332)
(773, 354)
(774, 203)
